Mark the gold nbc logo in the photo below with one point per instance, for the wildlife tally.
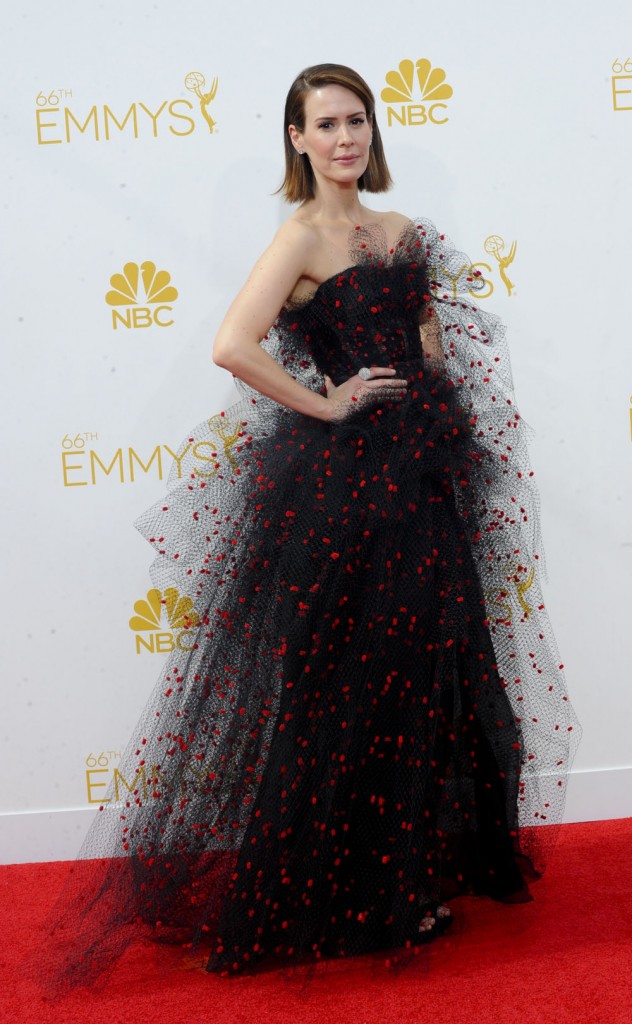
(158, 292)
(147, 620)
(432, 88)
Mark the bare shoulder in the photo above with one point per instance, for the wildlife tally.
(301, 240)
(288, 252)
(293, 244)
(299, 231)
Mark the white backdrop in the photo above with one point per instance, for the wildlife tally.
(112, 162)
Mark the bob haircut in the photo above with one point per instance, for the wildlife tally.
(298, 184)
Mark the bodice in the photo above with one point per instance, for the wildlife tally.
(367, 314)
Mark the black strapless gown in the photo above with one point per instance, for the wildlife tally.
(370, 716)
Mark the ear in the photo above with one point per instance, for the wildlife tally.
(296, 137)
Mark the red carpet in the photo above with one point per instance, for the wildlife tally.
(566, 957)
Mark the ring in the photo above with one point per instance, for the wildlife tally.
(364, 373)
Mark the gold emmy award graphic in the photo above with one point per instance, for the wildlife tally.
(433, 88)
(158, 293)
(195, 82)
(147, 620)
(494, 245)
(500, 600)
(229, 433)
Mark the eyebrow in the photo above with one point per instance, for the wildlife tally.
(327, 117)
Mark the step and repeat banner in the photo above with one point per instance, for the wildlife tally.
(144, 150)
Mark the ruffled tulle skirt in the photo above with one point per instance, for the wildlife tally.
(335, 754)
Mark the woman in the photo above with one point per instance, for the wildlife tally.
(369, 717)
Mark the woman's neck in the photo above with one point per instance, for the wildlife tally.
(335, 205)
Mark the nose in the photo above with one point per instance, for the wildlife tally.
(344, 135)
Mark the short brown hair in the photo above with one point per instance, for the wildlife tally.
(298, 184)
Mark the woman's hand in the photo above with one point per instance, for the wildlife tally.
(357, 394)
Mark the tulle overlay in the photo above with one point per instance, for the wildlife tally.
(370, 715)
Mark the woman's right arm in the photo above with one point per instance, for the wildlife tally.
(237, 345)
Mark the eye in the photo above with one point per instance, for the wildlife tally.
(358, 120)
(325, 124)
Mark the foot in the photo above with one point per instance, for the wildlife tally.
(427, 923)
(442, 913)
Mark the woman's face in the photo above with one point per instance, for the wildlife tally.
(337, 135)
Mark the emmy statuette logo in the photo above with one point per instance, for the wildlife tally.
(196, 83)
(494, 245)
(157, 294)
(428, 106)
(146, 623)
(230, 434)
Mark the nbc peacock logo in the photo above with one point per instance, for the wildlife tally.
(415, 94)
(150, 611)
(132, 309)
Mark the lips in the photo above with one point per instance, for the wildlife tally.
(346, 159)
